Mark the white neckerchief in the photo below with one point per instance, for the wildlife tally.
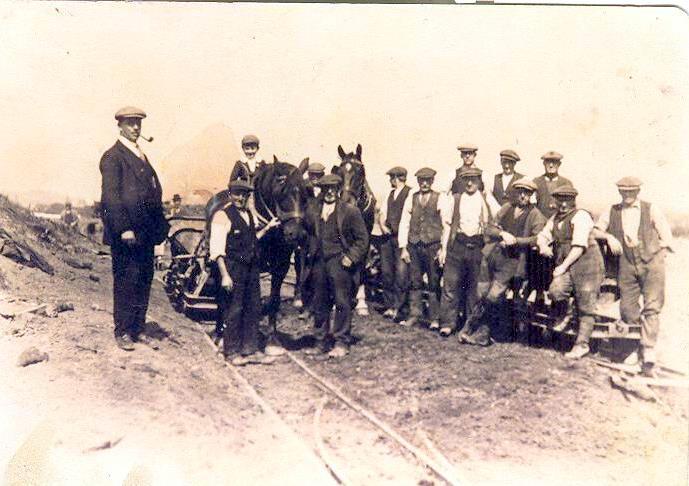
(251, 163)
(327, 210)
(133, 147)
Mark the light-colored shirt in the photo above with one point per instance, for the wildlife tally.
(470, 213)
(133, 147)
(403, 231)
(506, 179)
(327, 211)
(631, 219)
(220, 228)
(582, 225)
(251, 163)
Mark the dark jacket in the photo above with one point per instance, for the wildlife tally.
(131, 197)
(543, 197)
(240, 170)
(500, 193)
(350, 224)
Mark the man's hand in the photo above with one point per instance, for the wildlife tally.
(559, 270)
(404, 255)
(546, 251)
(508, 238)
(227, 282)
(614, 245)
(384, 229)
(128, 237)
(440, 256)
(346, 261)
(273, 223)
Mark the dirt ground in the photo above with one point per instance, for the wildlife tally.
(508, 414)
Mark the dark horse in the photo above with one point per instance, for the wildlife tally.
(356, 191)
(279, 192)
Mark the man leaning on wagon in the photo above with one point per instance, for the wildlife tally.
(638, 232)
(579, 269)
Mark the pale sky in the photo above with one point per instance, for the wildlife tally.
(605, 86)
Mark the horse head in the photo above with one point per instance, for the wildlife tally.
(280, 191)
(353, 174)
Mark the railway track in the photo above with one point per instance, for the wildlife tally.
(348, 440)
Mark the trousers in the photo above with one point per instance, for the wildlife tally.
(132, 269)
(460, 279)
(333, 285)
(423, 261)
(647, 280)
(240, 309)
(395, 274)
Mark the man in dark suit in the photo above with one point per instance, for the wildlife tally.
(502, 185)
(337, 248)
(134, 223)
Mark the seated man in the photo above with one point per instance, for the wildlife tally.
(567, 238)
(516, 226)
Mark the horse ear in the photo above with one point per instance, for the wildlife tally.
(304, 165)
(275, 159)
(341, 151)
(358, 152)
(335, 169)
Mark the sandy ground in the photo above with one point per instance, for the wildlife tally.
(508, 414)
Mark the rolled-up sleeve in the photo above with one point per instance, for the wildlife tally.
(220, 227)
(603, 222)
(662, 227)
(403, 232)
(582, 225)
(545, 236)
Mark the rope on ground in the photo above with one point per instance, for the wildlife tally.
(415, 451)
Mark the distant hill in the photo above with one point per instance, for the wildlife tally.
(201, 164)
(39, 197)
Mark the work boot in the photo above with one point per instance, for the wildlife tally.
(411, 322)
(238, 360)
(389, 313)
(125, 342)
(434, 325)
(578, 351)
(260, 358)
(148, 341)
(274, 349)
(564, 315)
(339, 351)
(479, 338)
(445, 331)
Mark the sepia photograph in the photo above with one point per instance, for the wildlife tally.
(343, 244)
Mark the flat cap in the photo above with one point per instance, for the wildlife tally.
(552, 155)
(249, 140)
(397, 171)
(425, 173)
(629, 182)
(524, 183)
(130, 112)
(316, 168)
(509, 155)
(330, 180)
(471, 172)
(176, 197)
(240, 185)
(467, 147)
(564, 191)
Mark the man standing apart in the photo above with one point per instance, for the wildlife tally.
(393, 268)
(465, 218)
(420, 234)
(639, 233)
(503, 183)
(567, 237)
(338, 248)
(134, 223)
(516, 226)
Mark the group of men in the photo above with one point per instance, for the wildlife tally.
(482, 242)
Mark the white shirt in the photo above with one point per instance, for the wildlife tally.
(251, 163)
(220, 228)
(582, 222)
(327, 211)
(133, 147)
(471, 207)
(631, 219)
(506, 179)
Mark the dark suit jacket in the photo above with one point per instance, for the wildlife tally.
(350, 224)
(543, 197)
(241, 171)
(500, 193)
(131, 197)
